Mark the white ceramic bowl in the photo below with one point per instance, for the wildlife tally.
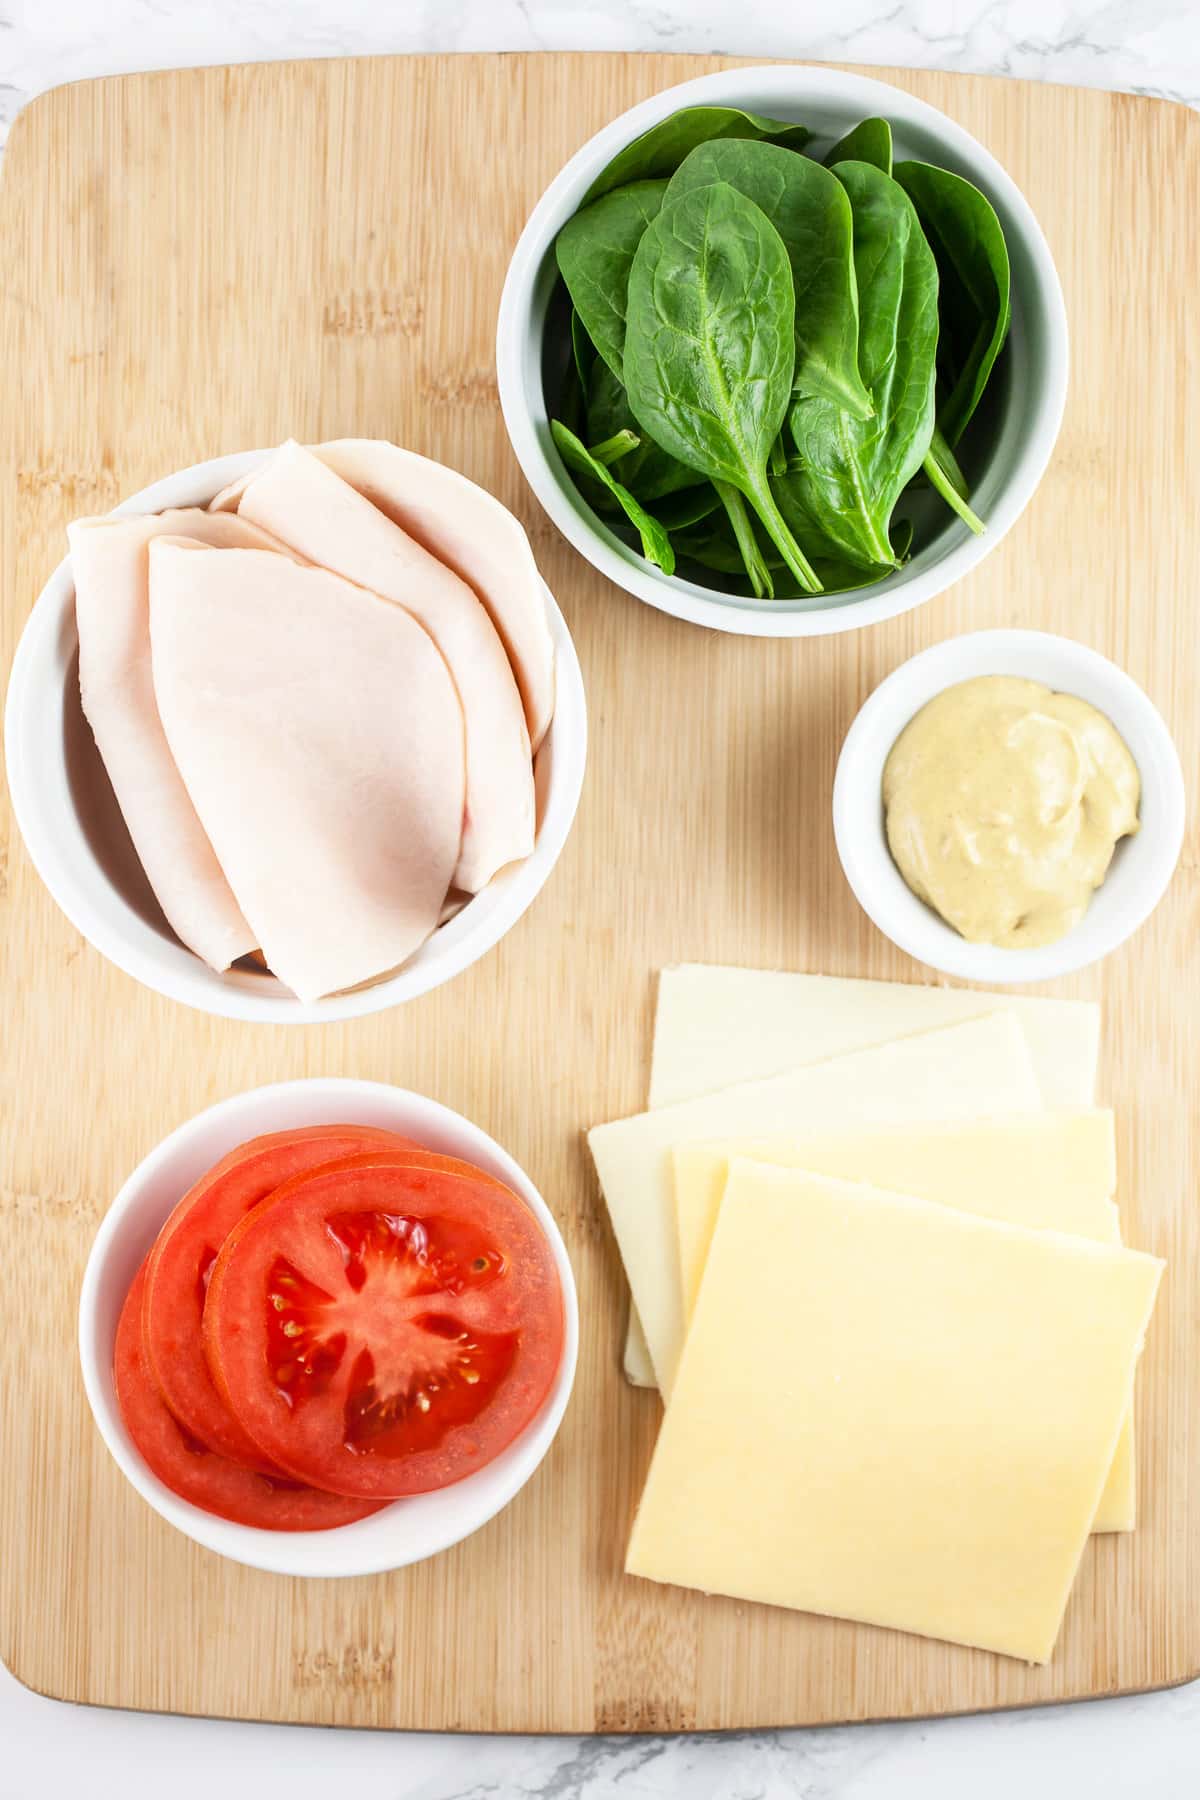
(1142, 865)
(74, 833)
(408, 1530)
(1029, 403)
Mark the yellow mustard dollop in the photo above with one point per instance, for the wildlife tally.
(1004, 803)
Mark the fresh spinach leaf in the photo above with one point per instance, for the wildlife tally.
(677, 512)
(902, 537)
(941, 468)
(852, 472)
(870, 142)
(714, 547)
(710, 345)
(656, 544)
(594, 251)
(810, 211)
(572, 397)
(968, 244)
(943, 480)
(583, 351)
(647, 471)
(846, 578)
(751, 554)
(949, 463)
(660, 150)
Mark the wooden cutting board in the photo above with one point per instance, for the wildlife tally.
(200, 262)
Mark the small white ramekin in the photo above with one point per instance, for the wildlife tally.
(54, 773)
(1034, 389)
(1141, 867)
(408, 1530)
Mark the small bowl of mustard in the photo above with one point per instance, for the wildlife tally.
(1008, 806)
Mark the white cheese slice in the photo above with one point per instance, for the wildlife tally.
(1052, 1170)
(639, 1370)
(893, 1411)
(716, 1026)
(964, 1071)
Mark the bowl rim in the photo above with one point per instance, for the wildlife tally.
(186, 978)
(246, 1114)
(783, 85)
(858, 819)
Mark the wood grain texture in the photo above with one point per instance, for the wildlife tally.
(201, 262)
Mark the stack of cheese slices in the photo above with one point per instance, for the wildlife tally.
(318, 702)
(878, 1276)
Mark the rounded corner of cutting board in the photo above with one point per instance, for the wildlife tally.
(12, 1663)
(39, 114)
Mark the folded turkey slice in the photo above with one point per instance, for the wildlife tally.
(298, 498)
(110, 563)
(467, 529)
(321, 739)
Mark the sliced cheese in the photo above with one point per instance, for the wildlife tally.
(893, 1411)
(716, 1026)
(639, 1370)
(1054, 1171)
(1047, 1169)
(966, 1070)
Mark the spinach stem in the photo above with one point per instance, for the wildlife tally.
(763, 501)
(941, 452)
(613, 448)
(950, 494)
(762, 585)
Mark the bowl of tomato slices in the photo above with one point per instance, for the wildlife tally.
(328, 1327)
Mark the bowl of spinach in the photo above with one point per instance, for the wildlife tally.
(783, 351)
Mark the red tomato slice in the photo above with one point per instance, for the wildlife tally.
(226, 1488)
(187, 1247)
(385, 1325)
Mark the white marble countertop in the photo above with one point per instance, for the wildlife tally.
(1149, 1746)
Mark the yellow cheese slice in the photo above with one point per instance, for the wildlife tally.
(716, 1026)
(982, 1066)
(1046, 1170)
(893, 1411)
(1039, 1169)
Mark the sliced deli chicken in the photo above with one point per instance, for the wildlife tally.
(320, 737)
(303, 502)
(110, 559)
(321, 727)
(469, 531)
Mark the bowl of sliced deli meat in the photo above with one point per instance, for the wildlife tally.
(297, 734)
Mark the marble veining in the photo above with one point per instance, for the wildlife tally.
(1148, 1746)
(1145, 46)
